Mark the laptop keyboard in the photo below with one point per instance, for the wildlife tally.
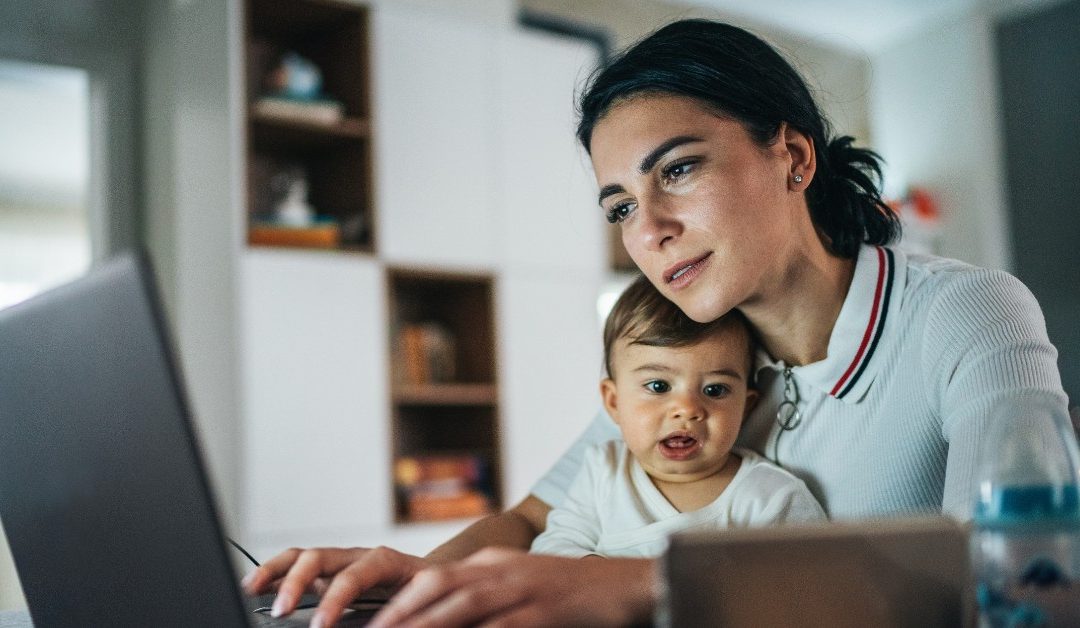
(359, 615)
(302, 618)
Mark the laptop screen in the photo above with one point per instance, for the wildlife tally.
(102, 492)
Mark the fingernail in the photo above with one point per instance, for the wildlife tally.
(318, 619)
(278, 609)
(246, 580)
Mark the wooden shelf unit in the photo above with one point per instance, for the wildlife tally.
(445, 394)
(618, 259)
(335, 157)
(452, 415)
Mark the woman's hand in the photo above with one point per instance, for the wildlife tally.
(338, 575)
(505, 587)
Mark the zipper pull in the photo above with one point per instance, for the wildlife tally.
(788, 416)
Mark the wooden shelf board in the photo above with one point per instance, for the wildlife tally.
(295, 129)
(446, 394)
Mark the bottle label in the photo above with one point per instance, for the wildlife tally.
(1030, 507)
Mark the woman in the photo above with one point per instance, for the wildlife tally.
(879, 370)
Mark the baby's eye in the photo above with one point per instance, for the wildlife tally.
(658, 386)
(716, 390)
(677, 170)
(619, 212)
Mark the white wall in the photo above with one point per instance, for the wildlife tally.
(552, 256)
(192, 216)
(935, 120)
(838, 78)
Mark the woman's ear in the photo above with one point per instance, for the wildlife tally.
(800, 149)
(609, 394)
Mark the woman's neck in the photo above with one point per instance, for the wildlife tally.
(795, 316)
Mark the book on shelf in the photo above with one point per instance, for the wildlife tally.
(321, 111)
(442, 487)
(426, 354)
(422, 507)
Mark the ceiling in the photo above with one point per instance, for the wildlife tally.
(864, 26)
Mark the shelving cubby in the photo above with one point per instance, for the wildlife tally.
(444, 395)
(331, 149)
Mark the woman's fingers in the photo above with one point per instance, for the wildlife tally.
(500, 587)
(381, 566)
(456, 594)
(309, 565)
(271, 571)
(295, 571)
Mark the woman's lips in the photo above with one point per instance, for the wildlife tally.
(679, 447)
(683, 274)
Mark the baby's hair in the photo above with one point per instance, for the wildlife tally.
(647, 317)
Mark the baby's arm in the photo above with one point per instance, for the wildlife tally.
(573, 528)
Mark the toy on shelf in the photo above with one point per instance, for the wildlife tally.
(292, 220)
(293, 208)
(293, 91)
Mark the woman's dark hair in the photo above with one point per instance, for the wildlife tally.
(740, 76)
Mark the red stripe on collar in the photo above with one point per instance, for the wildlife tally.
(870, 326)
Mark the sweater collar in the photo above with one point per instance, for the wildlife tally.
(871, 305)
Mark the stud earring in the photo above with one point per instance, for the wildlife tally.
(798, 178)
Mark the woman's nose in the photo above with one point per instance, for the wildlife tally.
(658, 226)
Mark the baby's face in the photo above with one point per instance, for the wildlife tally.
(680, 408)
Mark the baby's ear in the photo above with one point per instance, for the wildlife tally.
(752, 398)
(610, 396)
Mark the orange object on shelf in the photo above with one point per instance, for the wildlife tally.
(427, 507)
(322, 235)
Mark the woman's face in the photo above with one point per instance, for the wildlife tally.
(706, 213)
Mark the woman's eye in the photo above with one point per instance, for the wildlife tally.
(677, 170)
(658, 386)
(716, 390)
(619, 212)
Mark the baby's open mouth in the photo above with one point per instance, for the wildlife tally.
(679, 442)
(679, 446)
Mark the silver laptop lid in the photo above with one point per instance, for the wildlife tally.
(887, 573)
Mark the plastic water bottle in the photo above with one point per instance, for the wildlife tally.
(1025, 545)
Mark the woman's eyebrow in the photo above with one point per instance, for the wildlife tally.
(608, 190)
(649, 162)
(654, 156)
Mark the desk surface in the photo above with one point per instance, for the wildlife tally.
(15, 619)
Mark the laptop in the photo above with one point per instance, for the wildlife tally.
(103, 494)
(886, 574)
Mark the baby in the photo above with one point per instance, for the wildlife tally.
(679, 391)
